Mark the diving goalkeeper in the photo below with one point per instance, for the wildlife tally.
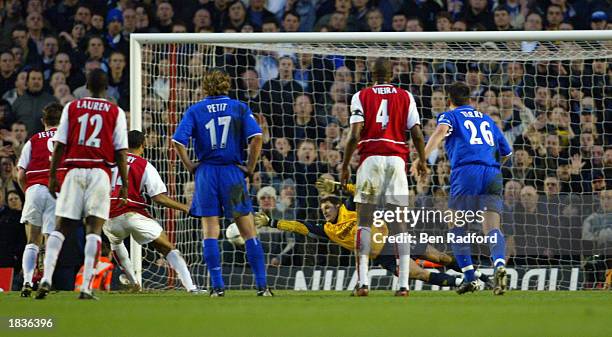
(340, 227)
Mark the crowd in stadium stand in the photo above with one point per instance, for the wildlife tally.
(556, 114)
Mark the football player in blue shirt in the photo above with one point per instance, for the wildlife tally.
(476, 149)
(221, 129)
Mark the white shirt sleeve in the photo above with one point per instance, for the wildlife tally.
(61, 135)
(356, 109)
(413, 113)
(152, 183)
(26, 155)
(120, 138)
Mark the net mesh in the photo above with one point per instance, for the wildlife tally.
(552, 99)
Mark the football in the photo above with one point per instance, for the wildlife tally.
(232, 234)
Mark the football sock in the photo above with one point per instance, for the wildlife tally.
(442, 279)
(463, 254)
(177, 263)
(255, 256)
(93, 243)
(363, 255)
(28, 262)
(123, 258)
(403, 250)
(213, 262)
(498, 249)
(52, 250)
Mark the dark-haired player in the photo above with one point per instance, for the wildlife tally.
(38, 213)
(134, 219)
(380, 116)
(90, 139)
(476, 149)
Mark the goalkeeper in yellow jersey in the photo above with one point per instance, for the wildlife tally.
(340, 228)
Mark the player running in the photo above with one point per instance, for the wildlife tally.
(476, 149)
(381, 115)
(38, 213)
(341, 227)
(91, 138)
(221, 128)
(134, 219)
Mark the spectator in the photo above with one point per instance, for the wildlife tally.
(522, 169)
(257, 12)
(443, 22)
(398, 23)
(599, 20)
(83, 15)
(291, 22)
(249, 90)
(374, 19)
(477, 13)
(303, 123)
(554, 17)
(8, 72)
(12, 237)
(129, 22)
(501, 18)
(8, 175)
(597, 227)
(414, 24)
(236, 16)
(164, 16)
(533, 22)
(19, 90)
(28, 107)
(115, 39)
(459, 26)
(97, 24)
(278, 93)
(118, 79)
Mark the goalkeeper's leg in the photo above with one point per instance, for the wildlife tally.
(254, 251)
(175, 260)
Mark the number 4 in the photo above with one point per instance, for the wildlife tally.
(382, 116)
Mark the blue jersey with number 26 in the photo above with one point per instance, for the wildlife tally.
(473, 138)
(220, 128)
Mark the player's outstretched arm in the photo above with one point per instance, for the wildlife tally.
(435, 139)
(166, 201)
(58, 153)
(262, 220)
(182, 152)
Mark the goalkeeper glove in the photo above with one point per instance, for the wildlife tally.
(263, 220)
(327, 186)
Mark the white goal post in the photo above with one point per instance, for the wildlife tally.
(180, 49)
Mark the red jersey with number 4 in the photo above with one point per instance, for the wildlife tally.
(387, 113)
(36, 159)
(143, 178)
(92, 130)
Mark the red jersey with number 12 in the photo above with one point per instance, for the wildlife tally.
(92, 129)
(387, 113)
(35, 159)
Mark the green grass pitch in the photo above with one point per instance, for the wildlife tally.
(292, 313)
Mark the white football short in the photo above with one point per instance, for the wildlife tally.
(85, 192)
(143, 229)
(39, 208)
(382, 179)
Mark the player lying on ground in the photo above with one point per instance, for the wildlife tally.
(91, 138)
(380, 117)
(38, 213)
(220, 129)
(340, 228)
(134, 219)
(476, 149)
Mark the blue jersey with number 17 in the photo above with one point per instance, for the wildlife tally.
(473, 138)
(220, 128)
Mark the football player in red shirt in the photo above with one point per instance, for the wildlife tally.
(380, 116)
(134, 219)
(38, 213)
(91, 139)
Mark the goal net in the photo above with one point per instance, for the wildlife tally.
(551, 96)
